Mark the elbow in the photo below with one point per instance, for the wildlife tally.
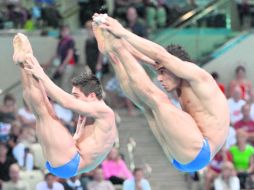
(204, 76)
(160, 52)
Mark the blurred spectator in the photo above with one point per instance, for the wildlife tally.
(244, 10)
(36, 11)
(88, 8)
(51, 16)
(16, 14)
(134, 23)
(251, 166)
(227, 179)
(214, 168)
(27, 136)
(65, 116)
(241, 81)
(231, 139)
(249, 184)
(29, 24)
(138, 182)
(217, 78)
(99, 183)
(65, 58)
(7, 116)
(246, 124)
(47, 2)
(15, 182)
(156, 14)
(251, 101)
(8, 109)
(115, 169)
(5, 163)
(93, 56)
(24, 157)
(49, 183)
(193, 3)
(122, 5)
(26, 116)
(241, 156)
(235, 104)
(86, 178)
(73, 184)
(16, 130)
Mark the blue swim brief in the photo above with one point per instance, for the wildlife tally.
(68, 170)
(202, 159)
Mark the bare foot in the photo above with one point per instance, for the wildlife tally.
(98, 33)
(22, 48)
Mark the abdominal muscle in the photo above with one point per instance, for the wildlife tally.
(93, 146)
(214, 127)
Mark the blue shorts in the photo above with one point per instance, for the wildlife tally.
(203, 158)
(68, 170)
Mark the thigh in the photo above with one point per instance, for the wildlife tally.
(57, 143)
(182, 135)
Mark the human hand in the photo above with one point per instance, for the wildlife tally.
(33, 67)
(110, 24)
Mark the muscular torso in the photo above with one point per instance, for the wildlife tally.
(210, 114)
(94, 139)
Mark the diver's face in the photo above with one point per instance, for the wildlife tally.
(77, 93)
(168, 80)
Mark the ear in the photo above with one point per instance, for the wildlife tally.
(92, 96)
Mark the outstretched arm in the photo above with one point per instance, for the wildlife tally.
(201, 81)
(182, 69)
(93, 109)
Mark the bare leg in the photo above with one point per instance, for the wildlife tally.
(49, 130)
(122, 76)
(124, 80)
(174, 124)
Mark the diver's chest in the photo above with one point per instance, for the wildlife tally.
(190, 103)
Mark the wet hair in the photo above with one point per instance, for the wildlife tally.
(179, 52)
(88, 83)
(239, 68)
(9, 97)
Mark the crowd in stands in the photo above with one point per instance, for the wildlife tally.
(155, 14)
(23, 167)
(40, 14)
(21, 157)
(30, 16)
